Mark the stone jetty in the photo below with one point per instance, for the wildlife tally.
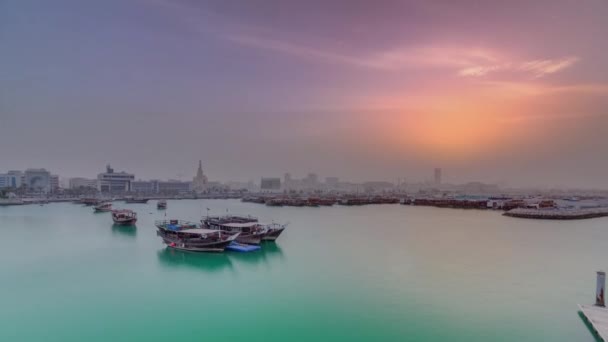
(557, 214)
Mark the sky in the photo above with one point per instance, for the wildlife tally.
(514, 92)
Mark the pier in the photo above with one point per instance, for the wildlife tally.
(597, 315)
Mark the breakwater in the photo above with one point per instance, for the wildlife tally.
(557, 214)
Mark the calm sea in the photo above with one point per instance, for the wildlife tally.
(372, 273)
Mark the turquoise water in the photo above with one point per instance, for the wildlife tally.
(372, 273)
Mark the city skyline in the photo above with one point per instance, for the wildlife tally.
(371, 91)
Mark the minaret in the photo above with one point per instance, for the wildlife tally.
(199, 183)
(199, 173)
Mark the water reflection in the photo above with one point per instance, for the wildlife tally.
(209, 262)
(129, 231)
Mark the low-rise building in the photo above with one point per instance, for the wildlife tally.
(174, 186)
(79, 182)
(11, 179)
(54, 183)
(38, 180)
(270, 184)
(114, 182)
(147, 187)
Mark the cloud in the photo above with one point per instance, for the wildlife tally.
(537, 68)
(397, 59)
(542, 67)
(478, 70)
(465, 62)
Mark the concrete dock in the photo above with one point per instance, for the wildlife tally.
(598, 318)
(597, 315)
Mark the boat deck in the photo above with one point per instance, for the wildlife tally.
(598, 318)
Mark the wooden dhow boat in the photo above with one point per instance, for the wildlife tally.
(124, 217)
(273, 231)
(103, 207)
(189, 236)
(250, 230)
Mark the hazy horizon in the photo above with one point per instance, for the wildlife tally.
(510, 92)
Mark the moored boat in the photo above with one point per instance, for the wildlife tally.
(103, 207)
(189, 236)
(124, 217)
(161, 204)
(250, 231)
(273, 231)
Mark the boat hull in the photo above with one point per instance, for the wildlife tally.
(215, 246)
(273, 234)
(125, 222)
(250, 239)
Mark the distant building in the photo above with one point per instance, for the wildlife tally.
(479, 188)
(287, 181)
(11, 179)
(377, 186)
(311, 181)
(114, 182)
(270, 184)
(332, 182)
(437, 176)
(19, 178)
(54, 183)
(38, 180)
(78, 182)
(174, 186)
(148, 187)
(199, 182)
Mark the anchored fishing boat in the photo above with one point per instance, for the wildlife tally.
(249, 229)
(103, 207)
(189, 236)
(124, 217)
(161, 204)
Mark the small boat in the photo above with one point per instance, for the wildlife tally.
(103, 207)
(250, 231)
(273, 231)
(239, 247)
(161, 204)
(124, 217)
(189, 236)
(136, 200)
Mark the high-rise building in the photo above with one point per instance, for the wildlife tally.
(114, 182)
(437, 176)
